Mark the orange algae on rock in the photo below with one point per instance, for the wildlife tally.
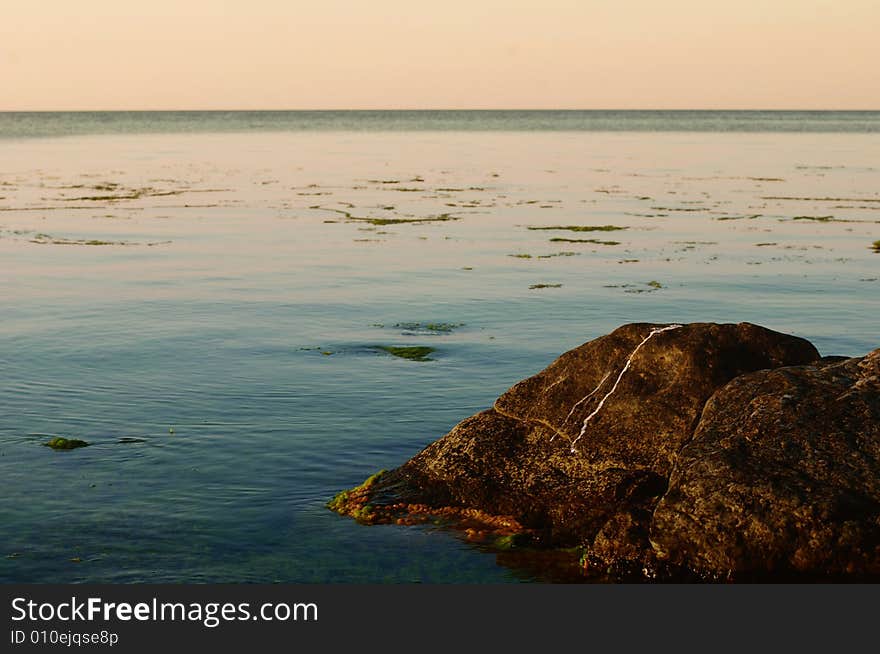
(477, 525)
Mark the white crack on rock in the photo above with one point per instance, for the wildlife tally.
(629, 360)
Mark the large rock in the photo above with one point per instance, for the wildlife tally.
(582, 453)
(783, 474)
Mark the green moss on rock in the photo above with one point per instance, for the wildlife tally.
(511, 541)
(354, 502)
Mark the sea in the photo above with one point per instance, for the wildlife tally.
(212, 300)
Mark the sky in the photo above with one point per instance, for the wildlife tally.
(454, 54)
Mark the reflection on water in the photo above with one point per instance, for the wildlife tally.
(205, 309)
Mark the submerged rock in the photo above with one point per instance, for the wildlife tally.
(715, 448)
(411, 352)
(60, 443)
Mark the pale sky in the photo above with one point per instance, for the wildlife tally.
(449, 54)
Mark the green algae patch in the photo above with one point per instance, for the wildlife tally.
(60, 443)
(830, 219)
(558, 254)
(355, 502)
(48, 239)
(436, 327)
(582, 228)
(520, 255)
(443, 217)
(132, 194)
(653, 285)
(511, 541)
(364, 504)
(876, 246)
(750, 217)
(584, 240)
(827, 199)
(411, 352)
(372, 220)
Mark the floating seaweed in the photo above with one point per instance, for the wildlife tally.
(583, 240)
(61, 443)
(436, 327)
(411, 352)
(580, 228)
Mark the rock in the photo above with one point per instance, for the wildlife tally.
(782, 475)
(606, 450)
(59, 443)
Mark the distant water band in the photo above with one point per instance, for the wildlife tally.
(48, 124)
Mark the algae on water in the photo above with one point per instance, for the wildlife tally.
(584, 240)
(443, 217)
(61, 443)
(47, 239)
(582, 228)
(436, 327)
(411, 352)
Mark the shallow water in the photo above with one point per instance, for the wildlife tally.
(216, 342)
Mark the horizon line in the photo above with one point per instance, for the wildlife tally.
(470, 109)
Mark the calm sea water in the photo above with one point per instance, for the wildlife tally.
(44, 124)
(193, 294)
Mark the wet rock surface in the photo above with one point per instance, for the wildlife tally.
(670, 450)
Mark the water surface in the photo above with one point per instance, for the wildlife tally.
(203, 306)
